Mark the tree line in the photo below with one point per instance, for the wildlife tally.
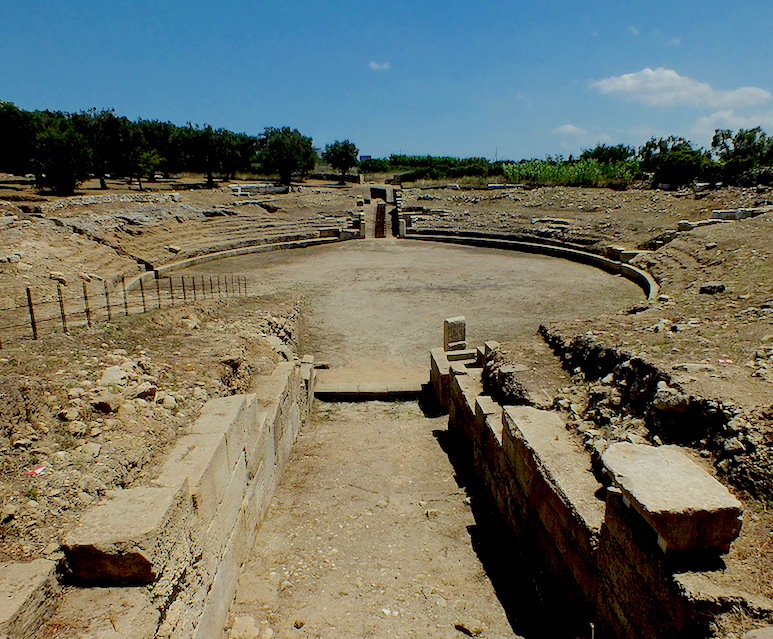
(742, 158)
(64, 149)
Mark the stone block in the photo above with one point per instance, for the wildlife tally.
(440, 377)
(466, 355)
(685, 505)
(404, 389)
(258, 498)
(223, 523)
(129, 539)
(372, 388)
(261, 445)
(202, 459)
(455, 333)
(486, 408)
(223, 415)
(28, 593)
(490, 346)
(107, 613)
(220, 596)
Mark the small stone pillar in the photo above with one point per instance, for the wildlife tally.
(455, 333)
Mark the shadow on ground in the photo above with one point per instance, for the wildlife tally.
(512, 567)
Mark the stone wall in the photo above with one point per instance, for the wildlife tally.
(588, 545)
(90, 200)
(163, 560)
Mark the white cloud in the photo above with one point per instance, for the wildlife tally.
(728, 119)
(384, 66)
(633, 30)
(676, 41)
(665, 87)
(570, 129)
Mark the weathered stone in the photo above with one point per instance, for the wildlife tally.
(685, 505)
(759, 633)
(27, 596)
(455, 333)
(113, 375)
(108, 613)
(106, 402)
(712, 288)
(128, 539)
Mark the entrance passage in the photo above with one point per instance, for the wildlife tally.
(380, 230)
(370, 535)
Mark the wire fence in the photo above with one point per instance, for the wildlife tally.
(99, 302)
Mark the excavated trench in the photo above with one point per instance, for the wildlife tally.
(379, 526)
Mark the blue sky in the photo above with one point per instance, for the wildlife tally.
(516, 79)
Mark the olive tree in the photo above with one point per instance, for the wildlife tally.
(342, 156)
(285, 152)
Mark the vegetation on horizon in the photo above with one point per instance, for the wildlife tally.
(64, 149)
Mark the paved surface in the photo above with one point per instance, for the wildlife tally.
(376, 307)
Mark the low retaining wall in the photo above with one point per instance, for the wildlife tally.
(638, 276)
(585, 545)
(174, 548)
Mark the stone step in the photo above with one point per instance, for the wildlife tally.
(365, 391)
(686, 506)
(28, 596)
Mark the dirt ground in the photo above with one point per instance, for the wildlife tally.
(717, 346)
(369, 535)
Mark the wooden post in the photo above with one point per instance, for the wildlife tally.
(218, 287)
(61, 307)
(194, 288)
(158, 292)
(171, 291)
(125, 300)
(86, 305)
(142, 291)
(32, 314)
(211, 294)
(107, 302)
(203, 289)
(185, 295)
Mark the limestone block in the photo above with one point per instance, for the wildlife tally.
(220, 596)
(129, 539)
(108, 613)
(224, 521)
(202, 459)
(28, 594)
(261, 444)
(537, 443)
(258, 498)
(490, 346)
(222, 415)
(455, 333)
(685, 505)
(486, 408)
(468, 355)
(759, 633)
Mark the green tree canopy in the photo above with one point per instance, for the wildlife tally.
(608, 154)
(285, 152)
(674, 161)
(342, 156)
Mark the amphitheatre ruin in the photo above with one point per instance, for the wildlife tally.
(385, 410)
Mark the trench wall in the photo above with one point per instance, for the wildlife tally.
(163, 560)
(582, 544)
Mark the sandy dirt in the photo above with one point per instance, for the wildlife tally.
(369, 535)
(727, 337)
